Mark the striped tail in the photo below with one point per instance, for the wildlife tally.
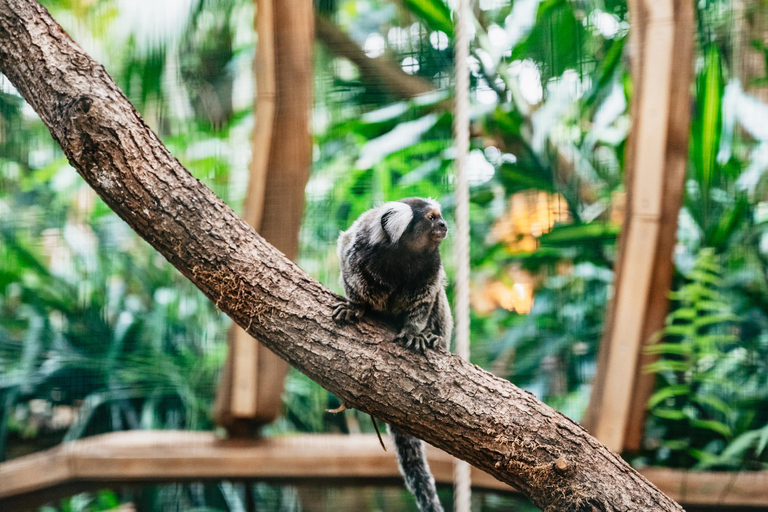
(412, 461)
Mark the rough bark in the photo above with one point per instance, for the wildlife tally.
(441, 398)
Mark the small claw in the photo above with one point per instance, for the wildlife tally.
(406, 339)
(433, 340)
(346, 313)
(419, 342)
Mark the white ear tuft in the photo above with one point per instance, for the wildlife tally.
(391, 222)
(434, 204)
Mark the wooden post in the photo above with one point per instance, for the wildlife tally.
(252, 380)
(662, 68)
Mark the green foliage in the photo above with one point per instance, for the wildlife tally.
(554, 40)
(586, 234)
(435, 13)
(97, 332)
(115, 334)
(706, 122)
(717, 206)
(126, 337)
(103, 500)
(563, 142)
(698, 413)
(568, 314)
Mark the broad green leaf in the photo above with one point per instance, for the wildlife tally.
(683, 314)
(716, 339)
(553, 41)
(714, 426)
(709, 320)
(606, 69)
(669, 348)
(684, 330)
(762, 442)
(711, 305)
(704, 277)
(581, 234)
(509, 121)
(670, 366)
(402, 137)
(730, 221)
(705, 142)
(713, 402)
(516, 179)
(737, 448)
(705, 458)
(669, 414)
(668, 392)
(707, 261)
(676, 444)
(434, 12)
(25, 254)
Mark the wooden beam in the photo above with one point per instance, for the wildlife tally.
(716, 488)
(251, 387)
(662, 68)
(676, 157)
(151, 457)
(163, 456)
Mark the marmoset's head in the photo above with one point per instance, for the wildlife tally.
(414, 223)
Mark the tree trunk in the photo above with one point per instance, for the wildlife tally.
(439, 397)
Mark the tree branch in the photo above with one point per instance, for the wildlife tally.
(377, 72)
(440, 398)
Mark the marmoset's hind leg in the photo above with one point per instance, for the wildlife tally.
(441, 321)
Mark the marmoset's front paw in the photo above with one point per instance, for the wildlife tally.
(345, 312)
(419, 342)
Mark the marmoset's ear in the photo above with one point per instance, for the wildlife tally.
(393, 220)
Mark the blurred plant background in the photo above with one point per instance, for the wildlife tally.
(98, 333)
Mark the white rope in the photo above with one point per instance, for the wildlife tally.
(462, 484)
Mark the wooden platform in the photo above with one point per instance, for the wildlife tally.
(165, 456)
(138, 457)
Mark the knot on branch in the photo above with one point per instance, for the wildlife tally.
(81, 62)
(561, 466)
(83, 105)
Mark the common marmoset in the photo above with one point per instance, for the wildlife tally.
(390, 264)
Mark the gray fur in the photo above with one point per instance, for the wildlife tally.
(412, 461)
(391, 267)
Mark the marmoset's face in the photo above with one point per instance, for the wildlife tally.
(434, 221)
(428, 228)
